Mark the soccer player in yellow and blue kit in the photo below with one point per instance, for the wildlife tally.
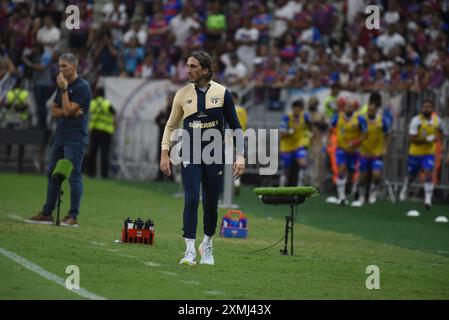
(294, 132)
(425, 129)
(351, 131)
(372, 149)
(202, 104)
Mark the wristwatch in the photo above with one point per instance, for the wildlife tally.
(64, 90)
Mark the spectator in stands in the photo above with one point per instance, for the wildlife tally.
(310, 34)
(136, 31)
(158, 31)
(283, 16)
(182, 26)
(106, 55)
(133, 56)
(6, 63)
(303, 60)
(323, 16)
(235, 73)
(115, 19)
(19, 26)
(392, 15)
(288, 49)
(146, 68)
(182, 71)
(215, 26)
(246, 38)
(170, 8)
(389, 40)
(163, 68)
(39, 62)
(196, 39)
(261, 22)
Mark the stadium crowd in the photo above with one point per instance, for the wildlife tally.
(304, 44)
(270, 44)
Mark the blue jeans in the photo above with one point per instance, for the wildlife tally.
(73, 151)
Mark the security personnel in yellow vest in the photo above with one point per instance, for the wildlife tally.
(330, 102)
(16, 115)
(102, 127)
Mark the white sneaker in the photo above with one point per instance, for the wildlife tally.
(205, 251)
(357, 203)
(189, 258)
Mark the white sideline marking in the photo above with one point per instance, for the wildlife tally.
(169, 273)
(48, 275)
(151, 264)
(15, 217)
(95, 243)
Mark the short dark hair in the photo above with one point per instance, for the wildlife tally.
(298, 103)
(429, 101)
(70, 58)
(205, 61)
(376, 99)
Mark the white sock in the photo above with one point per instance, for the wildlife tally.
(341, 185)
(405, 186)
(300, 177)
(428, 191)
(362, 190)
(373, 189)
(207, 240)
(283, 180)
(190, 244)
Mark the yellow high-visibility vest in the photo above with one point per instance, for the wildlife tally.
(102, 118)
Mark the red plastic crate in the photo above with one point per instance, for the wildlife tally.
(143, 236)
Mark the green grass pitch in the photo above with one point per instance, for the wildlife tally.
(333, 247)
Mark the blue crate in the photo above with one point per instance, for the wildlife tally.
(234, 232)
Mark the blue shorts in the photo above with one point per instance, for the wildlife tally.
(416, 163)
(350, 159)
(288, 157)
(371, 163)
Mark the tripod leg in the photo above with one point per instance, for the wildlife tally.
(291, 226)
(285, 251)
(59, 206)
